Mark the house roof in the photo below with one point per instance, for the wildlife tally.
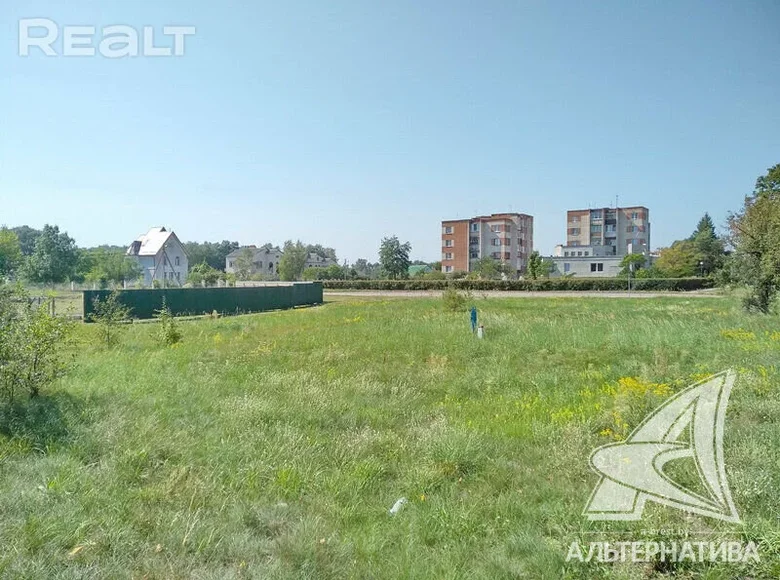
(150, 243)
(256, 250)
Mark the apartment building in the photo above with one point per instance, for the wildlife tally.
(618, 231)
(507, 237)
(598, 239)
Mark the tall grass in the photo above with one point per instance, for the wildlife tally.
(273, 445)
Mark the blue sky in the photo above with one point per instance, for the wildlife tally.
(341, 122)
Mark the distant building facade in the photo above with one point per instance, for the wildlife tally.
(161, 257)
(263, 260)
(505, 237)
(316, 261)
(597, 240)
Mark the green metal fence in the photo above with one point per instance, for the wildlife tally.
(195, 301)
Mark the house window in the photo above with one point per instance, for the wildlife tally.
(495, 228)
(574, 231)
(230, 264)
(634, 215)
(177, 261)
(270, 265)
(597, 267)
(566, 267)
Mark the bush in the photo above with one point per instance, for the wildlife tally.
(169, 330)
(108, 314)
(548, 284)
(454, 301)
(31, 344)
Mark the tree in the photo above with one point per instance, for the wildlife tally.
(203, 273)
(10, 252)
(293, 260)
(710, 248)
(394, 257)
(489, 268)
(631, 264)
(110, 266)
(27, 237)
(680, 260)
(54, 259)
(365, 269)
(535, 264)
(755, 235)
(211, 253)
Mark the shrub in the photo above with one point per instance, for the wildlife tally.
(454, 301)
(169, 330)
(31, 344)
(552, 284)
(108, 314)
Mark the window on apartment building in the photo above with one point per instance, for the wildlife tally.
(634, 215)
(587, 253)
(574, 219)
(595, 214)
(579, 253)
(475, 227)
(521, 241)
(448, 256)
(473, 255)
(474, 241)
(495, 228)
(566, 267)
(495, 242)
(597, 267)
(448, 268)
(595, 228)
(448, 243)
(447, 229)
(566, 254)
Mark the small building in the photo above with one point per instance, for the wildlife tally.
(316, 261)
(254, 260)
(161, 257)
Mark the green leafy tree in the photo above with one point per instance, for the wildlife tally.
(755, 235)
(538, 267)
(10, 252)
(709, 247)
(632, 264)
(487, 268)
(394, 258)
(203, 273)
(293, 260)
(54, 259)
(211, 253)
(27, 237)
(680, 260)
(111, 266)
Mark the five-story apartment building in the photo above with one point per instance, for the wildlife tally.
(506, 237)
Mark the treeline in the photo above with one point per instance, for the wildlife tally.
(546, 284)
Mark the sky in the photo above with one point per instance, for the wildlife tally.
(342, 122)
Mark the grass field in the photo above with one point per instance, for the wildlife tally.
(273, 445)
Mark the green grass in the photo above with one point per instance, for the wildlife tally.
(273, 445)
